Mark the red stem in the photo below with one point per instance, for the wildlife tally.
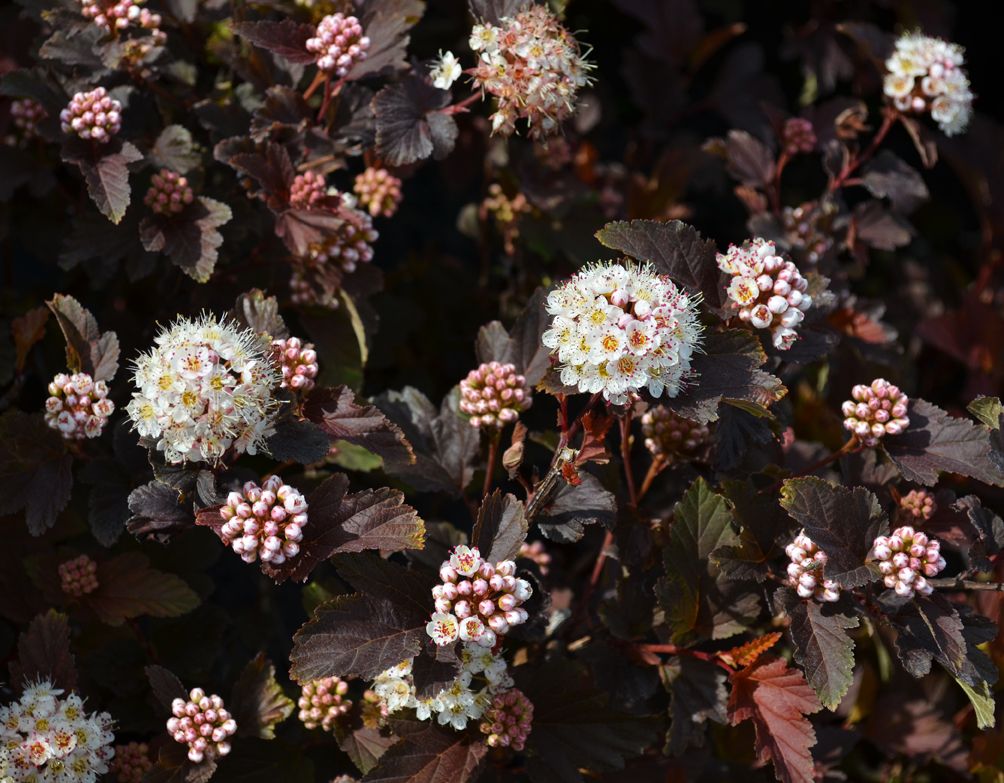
(888, 119)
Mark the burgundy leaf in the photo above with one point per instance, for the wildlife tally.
(287, 38)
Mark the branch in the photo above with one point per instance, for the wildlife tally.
(953, 583)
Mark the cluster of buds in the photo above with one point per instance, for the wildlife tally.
(798, 136)
(907, 559)
(25, 115)
(79, 576)
(379, 191)
(493, 395)
(918, 504)
(373, 709)
(322, 702)
(297, 361)
(119, 15)
(505, 211)
(874, 411)
(347, 246)
(92, 115)
(131, 763)
(808, 229)
(670, 436)
(537, 552)
(925, 75)
(307, 190)
(805, 572)
(338, 44)
(78, 406)
(477, 602)
(507, 722)
(532, 66)
(203, 724)
(265, 521)
(169, 193)
(767, 291)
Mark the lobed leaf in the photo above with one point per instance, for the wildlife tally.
(128, 587)
(257, 702)
(429, 754)
(410, 123)
(35, 468)
(287, 38)
(338, 414)
(501, 527)
(106, 172)
(43, 653)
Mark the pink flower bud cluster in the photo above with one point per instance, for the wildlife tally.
(203, 724)
(131, 763)
(307, 190)
(798, 136)
(297, 361)
(508, 721)
(477, 602)
(265, 521)
(767, 291)
(808, 229)
(907, 559)
(92, 115)
(78, 406)
(322, 702)
(169, 193)
(669, 435)
(493, 395)
(339, 44)
(120, 15)
(314, 283)
(349, 245)
(379, 191)
(918, 503)
(805, 572)
(26, 114)
(537, 552)
(876, 410)
(78, 576)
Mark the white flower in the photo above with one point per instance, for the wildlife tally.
(443, 628)
(445, 71)
(465, 560)
(205, 387)
(618, 329)
(925, 75)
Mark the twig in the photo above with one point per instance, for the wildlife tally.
(952, 583)
(493, 453)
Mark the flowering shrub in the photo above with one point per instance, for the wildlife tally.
(498, 390)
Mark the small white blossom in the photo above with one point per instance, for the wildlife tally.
(445, 70)
(443, 628)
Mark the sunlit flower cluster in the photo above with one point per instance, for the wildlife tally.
(322, 702)
(78, 576)
(482, 675)
(925, 75)
(798, 136)
(264, 522)
(619, 329)
(494, 395)
(907, 559)
(119, 15)
(875, 411)
(338, 44)
(78, 406)
(767, 291)
(131, 763)
(297, 361)
(669, 436)
(202, 723)
(92, 115)
(918, 504)
(476, 602)
(532, 66)
(48, 738)
(508, 720)
(379, 191)
(806, 570)
(169, 193)
(206, 387)
(307, 190)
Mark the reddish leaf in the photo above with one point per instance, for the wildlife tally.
(128, 587)
(410, 124)
(750, 651)
(501, 527)
(386, 23)
(365, 746)
(87, 348)
(338, 413)
(777, 699)
(28, 329)
(287, 38)
(429, 754)
(260, 313)
(595, 427)
(106, 171)
(43, 653)
(190, 239)
(257, 702)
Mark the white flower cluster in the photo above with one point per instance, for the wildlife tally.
(265, 521)
(767, 291)
(805, 572)
(924, 75)
(532, 66)
(78, 406)
(619, 329)
(905, 558)
(204, 388)
(48, 738)
(482, 675)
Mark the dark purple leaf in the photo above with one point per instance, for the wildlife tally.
(105, 169)
(410, 125)
(287, 38)
(190, 239)
(429, 754)
(887, 176)
(35, 468)
(87, 348)
(258, 703)
(43, 653)
(386, 23)
(501, 527)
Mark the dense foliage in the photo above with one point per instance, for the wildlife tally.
(426, 393)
